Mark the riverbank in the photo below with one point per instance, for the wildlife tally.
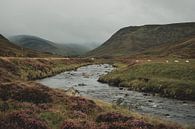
(27, 69)
(167, 79)
(29, 105)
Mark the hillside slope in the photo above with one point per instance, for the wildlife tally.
(136, 39)
(9, 49)
(42, 45)
(38, 44)
(182, 49)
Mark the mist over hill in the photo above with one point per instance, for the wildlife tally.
(43, 45)
(8, 49)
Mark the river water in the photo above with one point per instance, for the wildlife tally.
(85, 81)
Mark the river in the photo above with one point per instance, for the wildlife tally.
(84, 79)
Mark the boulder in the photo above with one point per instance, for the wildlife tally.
(72, 92)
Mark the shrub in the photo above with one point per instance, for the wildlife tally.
(22, 120)
(83, 105)
(33, 95)
(79, 125)
(112, 117)
(20, 92)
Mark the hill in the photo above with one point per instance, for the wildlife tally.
(9, 49)
(139, 39)
(43, 45)
(77, 49)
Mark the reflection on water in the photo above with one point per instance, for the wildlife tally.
(85, 80)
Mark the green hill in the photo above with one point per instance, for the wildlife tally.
(42, 45)
(9, 49)
(139, 39)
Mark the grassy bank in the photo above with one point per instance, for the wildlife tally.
(30, 69)
(174, 80)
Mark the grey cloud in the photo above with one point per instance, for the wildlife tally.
(81, 21)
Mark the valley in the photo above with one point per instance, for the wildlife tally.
(142, 77)
(43, 45)
(24, 100)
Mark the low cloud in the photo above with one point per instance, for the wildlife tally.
(87, 21)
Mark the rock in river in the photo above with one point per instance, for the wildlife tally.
(82, 84)
(119, 101)
(72, 92)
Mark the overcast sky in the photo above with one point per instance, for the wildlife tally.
(80, 21)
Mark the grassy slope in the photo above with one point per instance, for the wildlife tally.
(182, 49)
(136, 39)
(9, 49)
(42, 45)
(174, 80)
(31, 69)
(30, 105)
(38, 44)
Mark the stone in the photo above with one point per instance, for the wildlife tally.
(82, 84)
(119, 101)
(120, 88)
(167, 115)
(145, 94)
(126, 94)
(72, 92)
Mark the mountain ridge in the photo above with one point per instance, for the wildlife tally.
(137, 39)
(9, 49)
(43, 45)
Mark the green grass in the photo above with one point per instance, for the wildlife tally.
(175, 80)
(32, 69)
(54, 120)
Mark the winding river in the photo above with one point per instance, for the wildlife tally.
(85, 81)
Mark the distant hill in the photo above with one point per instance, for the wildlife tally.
(77, 49)
(42, 45)
(9, 49)
(146, 39)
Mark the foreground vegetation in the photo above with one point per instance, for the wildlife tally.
(168, 79)
(28, 105)
(34, 106)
